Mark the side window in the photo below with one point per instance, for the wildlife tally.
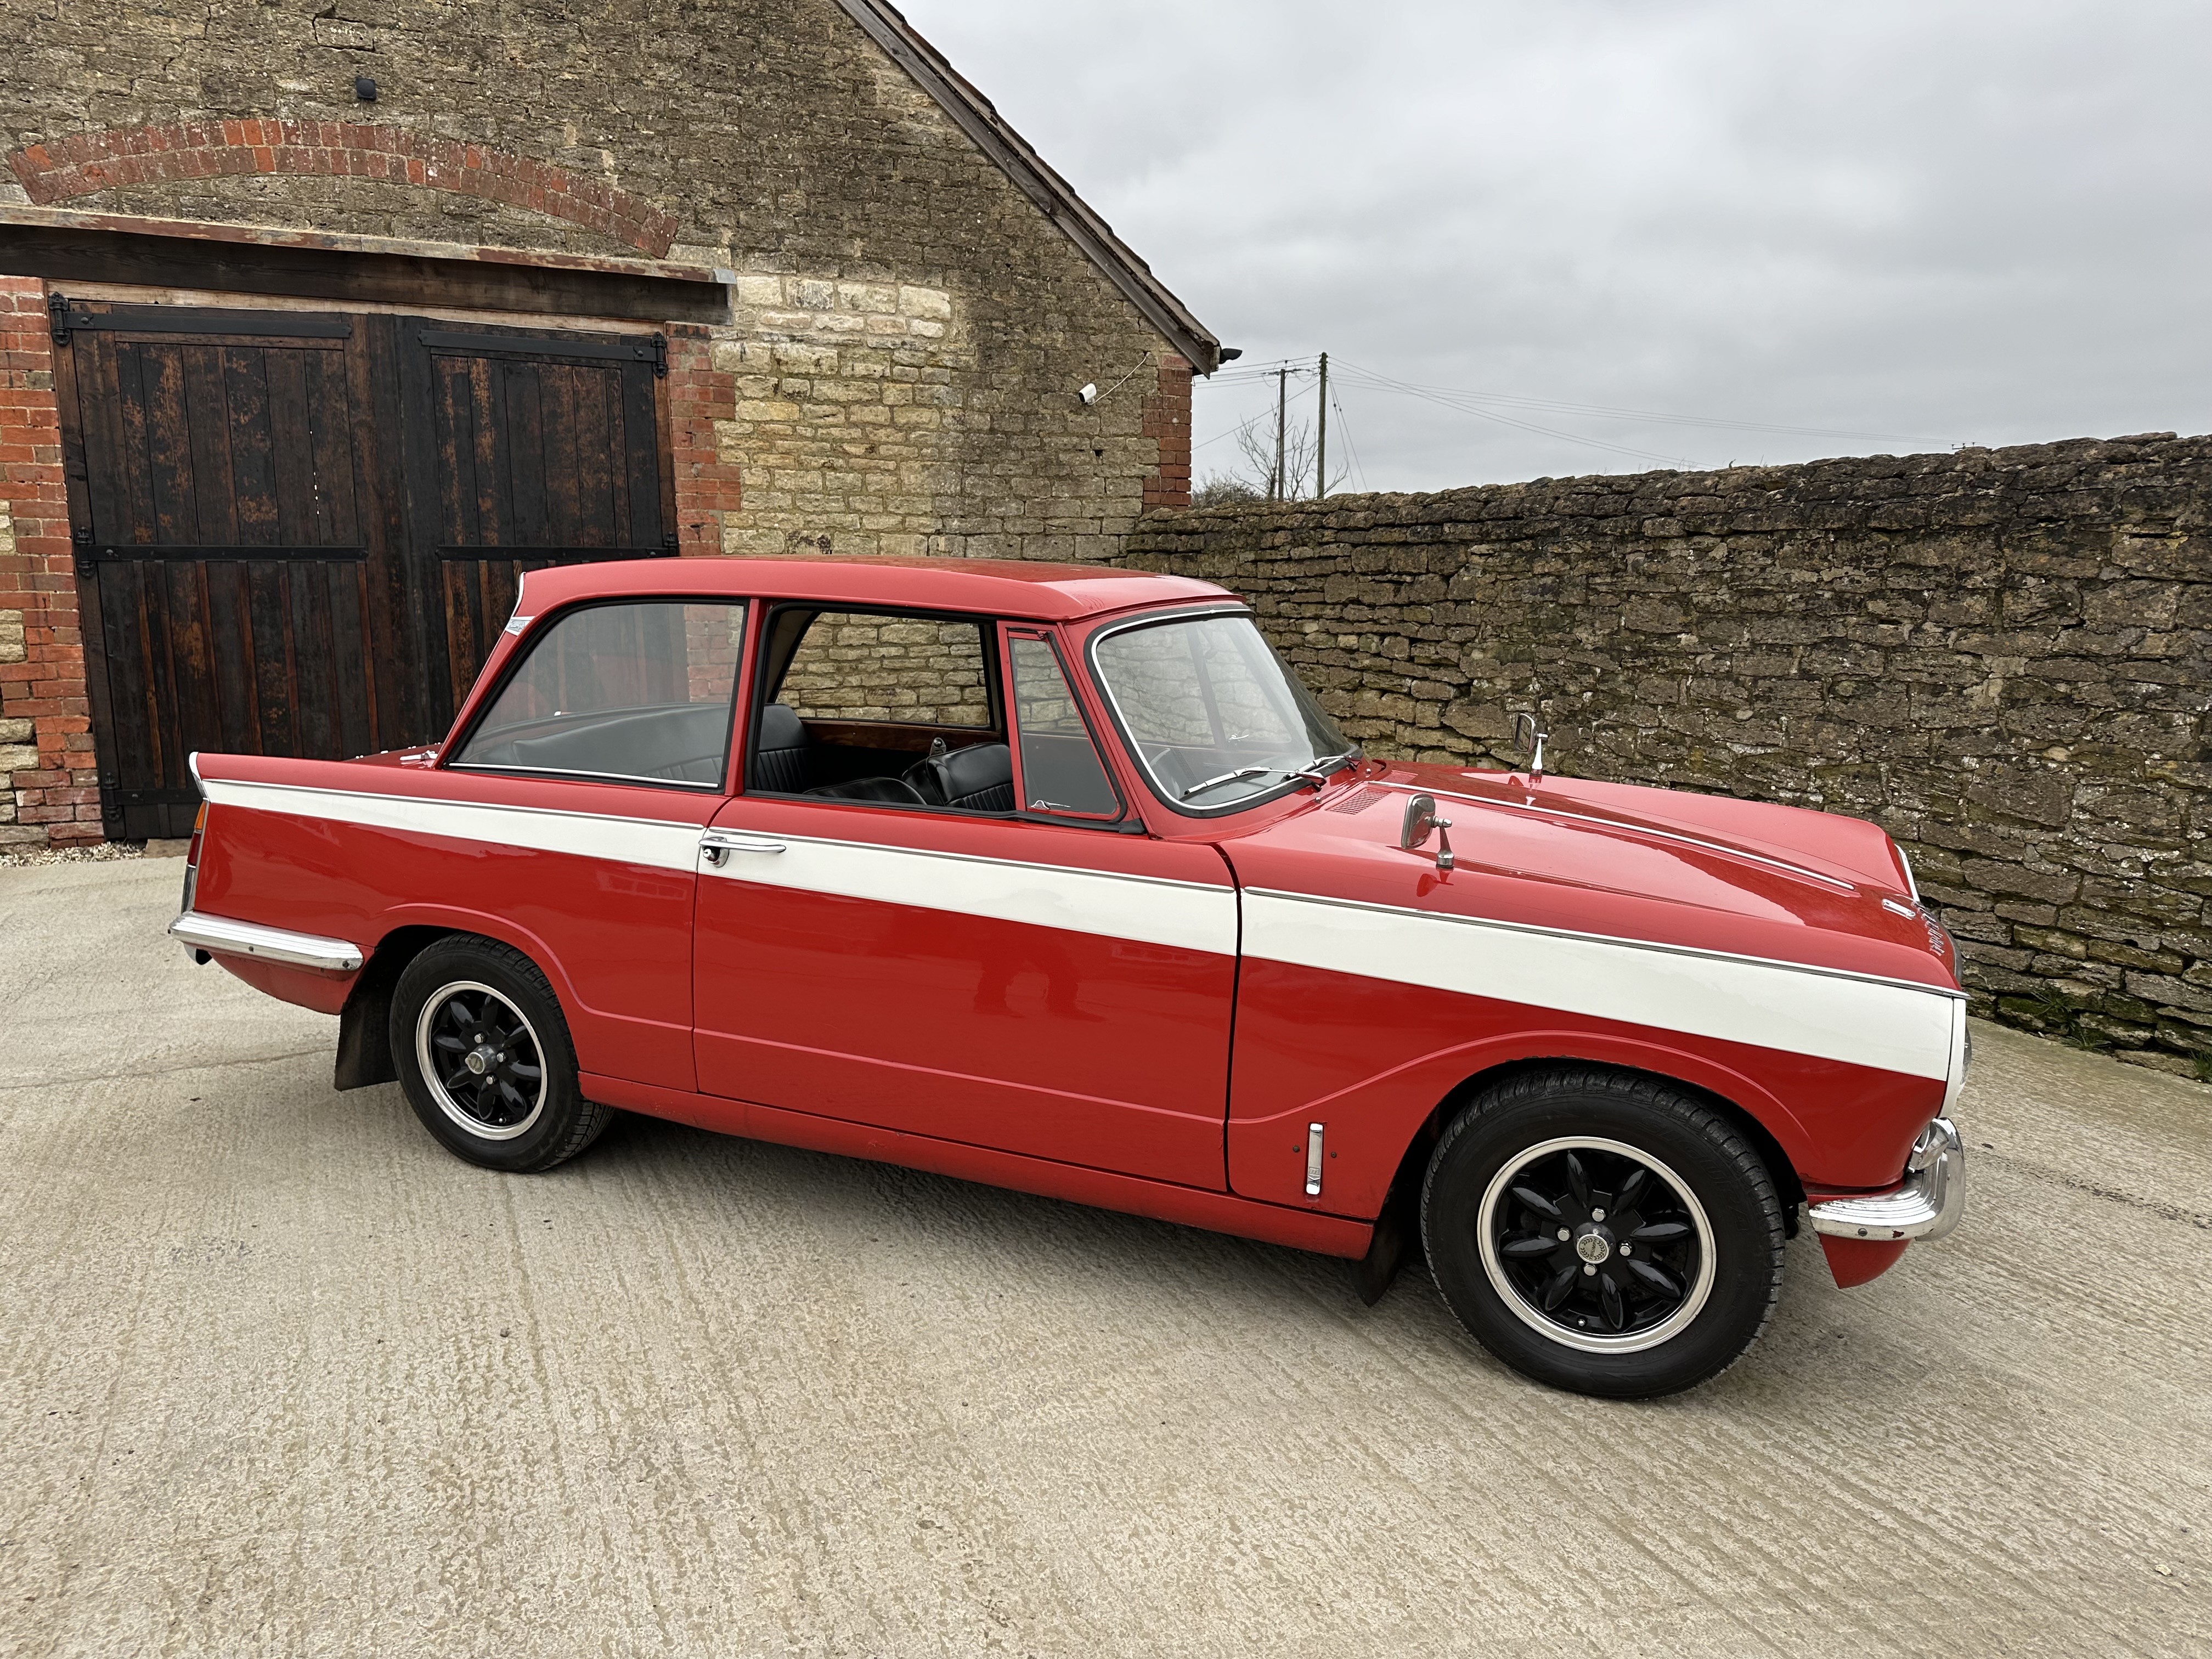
(1061, 769)
(896, 670)
(638, 692)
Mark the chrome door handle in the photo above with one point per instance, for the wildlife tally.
(716, 846)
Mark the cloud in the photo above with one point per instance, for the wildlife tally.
(1945, 221)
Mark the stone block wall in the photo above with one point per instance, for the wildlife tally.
(874, 668)
(911, 327)
(2003, 657)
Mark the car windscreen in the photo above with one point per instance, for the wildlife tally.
(1215, 716)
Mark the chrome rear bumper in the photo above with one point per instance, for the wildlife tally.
(1927, 1206)
(202, 936)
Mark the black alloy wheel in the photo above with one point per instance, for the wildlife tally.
(481, 1059)
(1587, 1236)
(1603, 1231)
(484, 1056)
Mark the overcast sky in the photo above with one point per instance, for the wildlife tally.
(1922, 222)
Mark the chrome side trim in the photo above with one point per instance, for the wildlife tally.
(220, 936)
(1927, 1206)
(661, 843)
(646, 779)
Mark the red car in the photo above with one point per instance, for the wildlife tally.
(1056, 878)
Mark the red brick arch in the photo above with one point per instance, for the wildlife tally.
(86, 162)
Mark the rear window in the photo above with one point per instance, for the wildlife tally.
(633, 693)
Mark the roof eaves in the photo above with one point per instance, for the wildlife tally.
(973, 114)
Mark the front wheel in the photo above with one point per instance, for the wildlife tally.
(1603, 1232)
(483, 1055)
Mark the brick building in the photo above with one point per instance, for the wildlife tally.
(323, 321)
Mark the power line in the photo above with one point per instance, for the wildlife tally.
(1344, 427)
(1557, 406)
(1476, 409)
(1472, 402)
(1282, 367)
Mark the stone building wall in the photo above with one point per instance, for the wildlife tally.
(908, 326)
(859, 667)
(2003, 657)
(918, 327)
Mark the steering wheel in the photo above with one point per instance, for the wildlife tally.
(926, 777)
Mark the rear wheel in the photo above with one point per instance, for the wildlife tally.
(483, 1055)
(1603, 1232)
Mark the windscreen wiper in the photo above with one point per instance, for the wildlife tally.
(1319, 772)
(1240, 774)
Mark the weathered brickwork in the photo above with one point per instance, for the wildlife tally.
(48, 775)
(702, 400)
(2003, 657)
(1167, 424)
(100, 163)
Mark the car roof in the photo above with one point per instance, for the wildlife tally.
(999, 587)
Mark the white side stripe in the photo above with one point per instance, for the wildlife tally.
(654, 841)
(1858, 1020)
(1182, 916)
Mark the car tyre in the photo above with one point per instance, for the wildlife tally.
(484, 1056)
(1566, 1262)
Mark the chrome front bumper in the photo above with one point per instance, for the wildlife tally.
(1927, 1206)
(202, 936)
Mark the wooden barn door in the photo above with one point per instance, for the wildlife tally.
(299, 534)
(534, 449)
(227, 519)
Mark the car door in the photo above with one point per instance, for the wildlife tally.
(570, 810)
(1020, 972)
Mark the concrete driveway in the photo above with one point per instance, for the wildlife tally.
(279, 1375)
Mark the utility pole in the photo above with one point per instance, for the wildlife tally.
(1320, 447)
(1279, 486)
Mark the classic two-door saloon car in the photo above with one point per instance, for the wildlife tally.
(1057, 877)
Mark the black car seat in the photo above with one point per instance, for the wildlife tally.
(780, 759)
(977, 780)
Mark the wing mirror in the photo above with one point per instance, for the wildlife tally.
(1420, 819)
(1526, 735)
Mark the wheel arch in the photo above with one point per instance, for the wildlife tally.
(364, 1024)
(364, 1055)
(1405, 1184)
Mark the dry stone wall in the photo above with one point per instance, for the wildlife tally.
(2001, 656)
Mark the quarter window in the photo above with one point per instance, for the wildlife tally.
(635, 693)
(1061, 769)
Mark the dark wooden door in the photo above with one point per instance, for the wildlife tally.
(299, 534)
(534, 449)
(225, 528)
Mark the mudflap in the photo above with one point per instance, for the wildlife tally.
(365, 1036)
(1395, 1239)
